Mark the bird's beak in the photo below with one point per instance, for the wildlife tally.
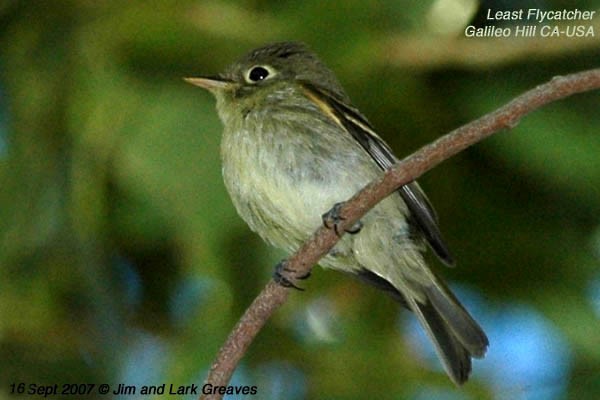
(210, 83)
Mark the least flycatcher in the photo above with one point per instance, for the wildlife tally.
(294, 146)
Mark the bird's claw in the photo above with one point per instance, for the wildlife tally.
(332, 219)
(282, 275)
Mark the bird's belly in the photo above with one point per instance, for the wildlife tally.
(282, 210)
(281, 193)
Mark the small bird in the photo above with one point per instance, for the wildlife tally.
(293, 147)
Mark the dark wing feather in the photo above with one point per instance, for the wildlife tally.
(422, 212)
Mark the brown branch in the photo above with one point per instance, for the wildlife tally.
(407, 170)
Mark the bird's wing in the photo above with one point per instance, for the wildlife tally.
(422, 212)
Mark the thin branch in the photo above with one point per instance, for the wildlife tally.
(407, 170)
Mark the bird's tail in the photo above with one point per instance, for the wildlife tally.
(455, 334)
(457, 337)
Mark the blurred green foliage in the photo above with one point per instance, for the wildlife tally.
(115, 226)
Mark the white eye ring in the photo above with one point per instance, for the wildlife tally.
(258, 73)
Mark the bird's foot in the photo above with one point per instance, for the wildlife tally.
(284, 275)
(333, 218)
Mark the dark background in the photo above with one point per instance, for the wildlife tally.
(122, 259)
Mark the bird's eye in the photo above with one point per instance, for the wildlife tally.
(259, 73)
